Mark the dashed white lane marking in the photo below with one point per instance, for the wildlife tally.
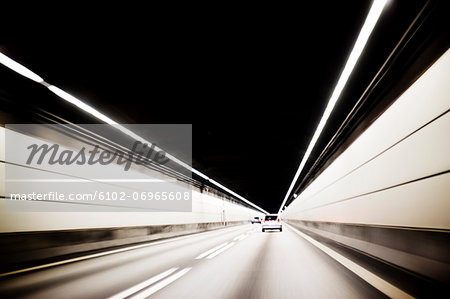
(245, 236)
(154, 288)
(142, 285)
(374, 280)
(211, 251)
(238, 238)
(220, 251)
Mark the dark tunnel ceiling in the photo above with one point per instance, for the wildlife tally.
(254, 81)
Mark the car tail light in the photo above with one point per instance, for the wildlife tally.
(278, 220)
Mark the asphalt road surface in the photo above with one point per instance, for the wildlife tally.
(236, 262)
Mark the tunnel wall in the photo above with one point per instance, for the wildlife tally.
(37, 237)
(208, 206)
(30, 237)
(388, 193)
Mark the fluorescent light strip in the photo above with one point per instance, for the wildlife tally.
(80, 104)
(237, 195)
(366, 30)
(15, 66)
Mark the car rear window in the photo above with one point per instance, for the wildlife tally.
(256, 217)
(270, 217)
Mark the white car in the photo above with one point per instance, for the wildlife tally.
(271, 221)
(256, 220)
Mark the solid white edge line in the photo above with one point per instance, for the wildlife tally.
(374, 280)
(153, 289)
(220, 251)
(142, 285)
(86, 257)
(202, 255)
